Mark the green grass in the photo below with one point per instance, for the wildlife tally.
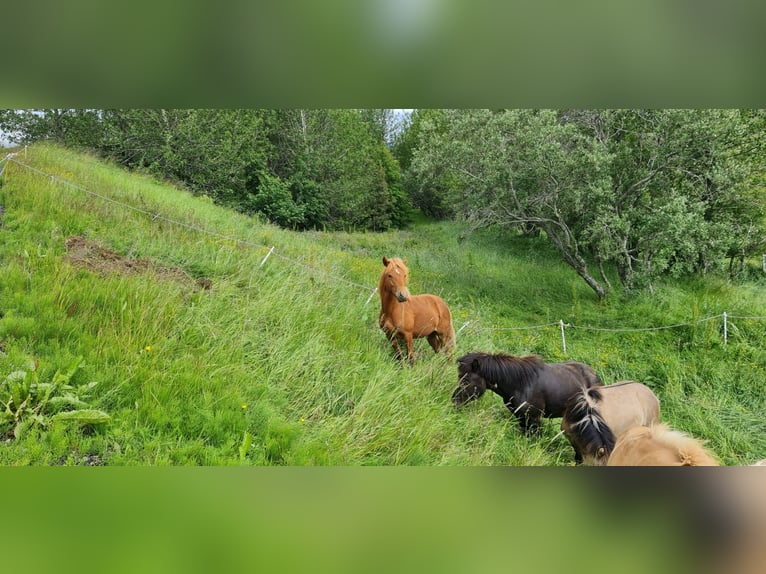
(285, 364)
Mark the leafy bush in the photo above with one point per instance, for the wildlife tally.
(29, 402)
(275, 201)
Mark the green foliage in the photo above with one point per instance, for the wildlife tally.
(28, 402)
(301, 169)
(653, 192)
(247, 441)
(284, 364)
(71, 127)
(681, 197)
(341, 173)
(520, 170)
(428, 188)
(275, 201)
(213, 152)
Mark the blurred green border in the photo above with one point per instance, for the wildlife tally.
(383, 53)
(405, 54)
(356, 520)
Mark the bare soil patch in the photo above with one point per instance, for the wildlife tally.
(89, 255)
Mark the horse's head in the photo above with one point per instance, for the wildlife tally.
(589, 452)
(394, 278)
(470, 382)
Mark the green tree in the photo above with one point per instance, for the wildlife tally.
(300, 168)
(681, 195)
(520, 169)
(215, 152)
(336, 166)
(651, 191)
(429, 189)
(71, 127)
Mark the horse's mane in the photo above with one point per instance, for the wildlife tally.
(691, 451)
(396, 263)
(502, 368)
(586, 420)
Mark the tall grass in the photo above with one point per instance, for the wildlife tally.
(284, 363)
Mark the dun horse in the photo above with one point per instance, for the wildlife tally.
(659, 445)
(530, 388)
(595, 417)
(404, 317)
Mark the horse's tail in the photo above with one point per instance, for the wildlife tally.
(447, 335)
(449, 339)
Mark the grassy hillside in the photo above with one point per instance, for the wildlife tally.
(203, 356)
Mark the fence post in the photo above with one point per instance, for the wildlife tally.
(563, 338)
(725, 329)
(763, 257)
(267, 256)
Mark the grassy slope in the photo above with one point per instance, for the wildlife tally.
(290, 355)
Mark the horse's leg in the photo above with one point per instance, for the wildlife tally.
(534, 426)
(435, 341)
(392, 334)
(395, 345)
(442, 343)
(531, 423)
(410, 349)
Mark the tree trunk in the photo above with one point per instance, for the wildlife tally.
(569, 252)
(582, 270)
(604, 278)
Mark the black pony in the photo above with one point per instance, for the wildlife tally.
(531, 388)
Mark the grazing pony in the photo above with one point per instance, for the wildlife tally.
(594, 418)
(407, 317)
(659, 445)
(531, 388)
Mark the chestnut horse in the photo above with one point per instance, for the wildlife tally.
(595, 417)
(406, 317)
(659, 445)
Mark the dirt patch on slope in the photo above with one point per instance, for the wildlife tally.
(93, 257)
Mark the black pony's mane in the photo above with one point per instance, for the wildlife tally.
(586, 420)
(501, 368)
